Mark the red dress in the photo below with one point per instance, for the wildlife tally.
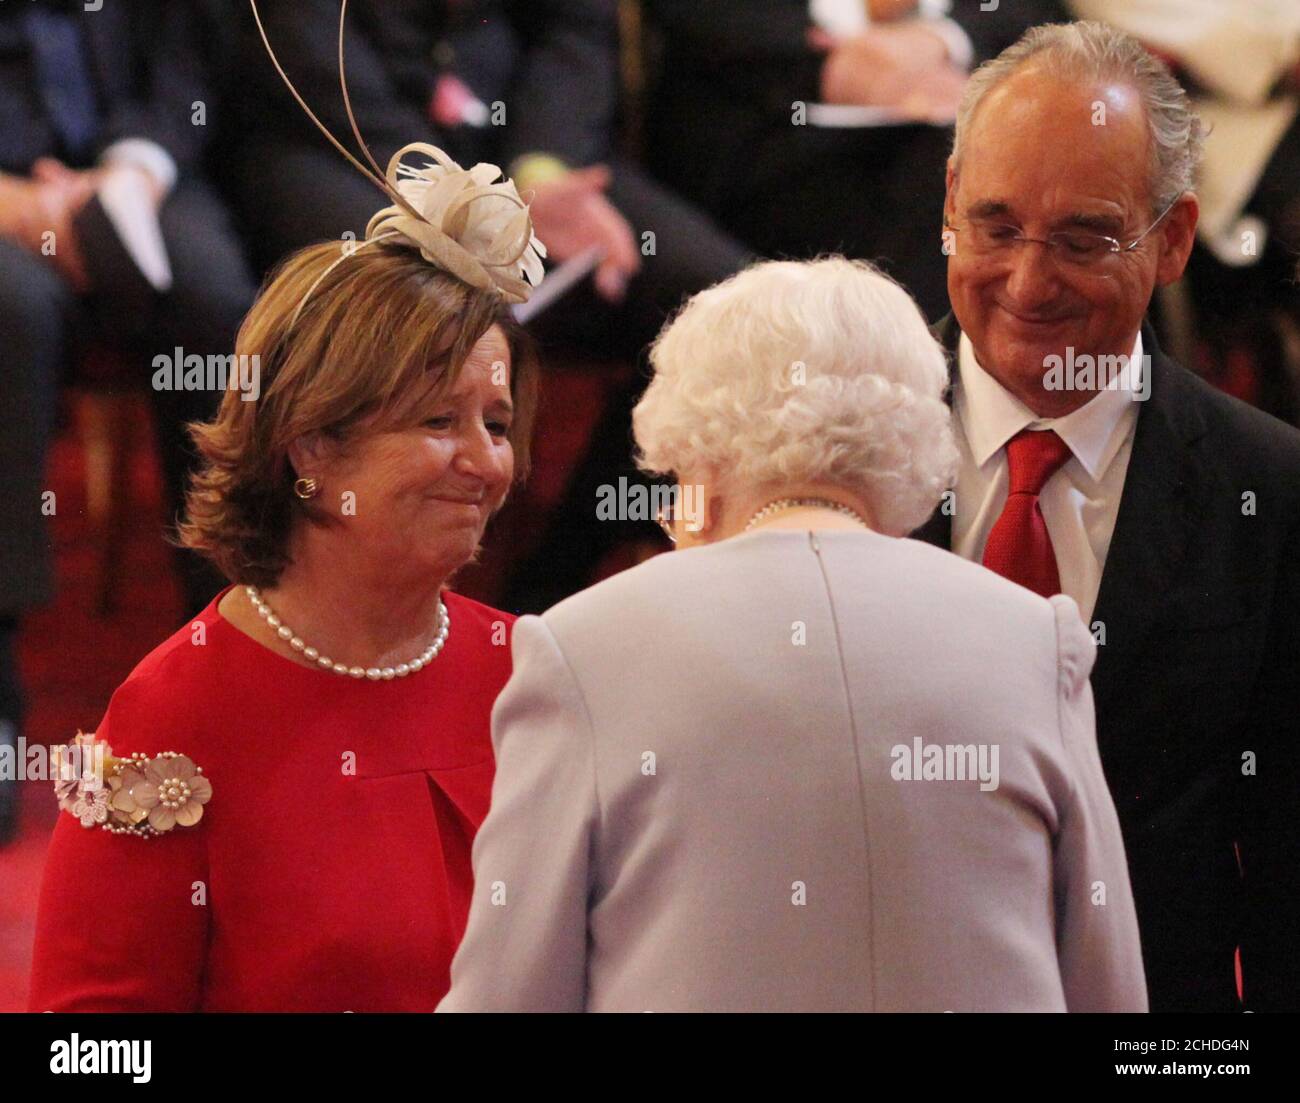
(334, 853)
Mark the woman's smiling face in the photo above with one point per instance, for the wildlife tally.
(419, 498)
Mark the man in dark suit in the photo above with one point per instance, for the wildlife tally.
(737, 118)
(94, 99)
(1168, 511)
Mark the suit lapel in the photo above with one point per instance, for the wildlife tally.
(938, 529)
(1162, 495)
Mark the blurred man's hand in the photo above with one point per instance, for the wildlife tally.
(22, 211)
(571, 214)
(46, 203)
(75, 186)
(902, 66)
(62, 193)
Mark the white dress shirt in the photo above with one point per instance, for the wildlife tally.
(129, 208)
(1079, 502)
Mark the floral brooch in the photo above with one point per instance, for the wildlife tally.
(138, 795)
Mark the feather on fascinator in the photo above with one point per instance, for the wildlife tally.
(471, 222)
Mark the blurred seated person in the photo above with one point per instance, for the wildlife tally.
(99, 143)
(1240, 61)
(535, 87)
(709, 793)
(756, 115)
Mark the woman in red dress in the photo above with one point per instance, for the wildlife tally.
(310, 848)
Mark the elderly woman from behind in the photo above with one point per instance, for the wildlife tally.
(801, 763)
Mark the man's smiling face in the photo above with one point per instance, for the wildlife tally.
(1036, 158)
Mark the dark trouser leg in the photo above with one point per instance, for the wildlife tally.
(34, 308)
(797, 191)
(267, 185)
(212, 290)
(575, 540)
(872, 194)
(11, 722)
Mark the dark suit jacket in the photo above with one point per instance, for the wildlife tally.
(148, 65)
(553, 64)
(730, 70)
(1197, 687)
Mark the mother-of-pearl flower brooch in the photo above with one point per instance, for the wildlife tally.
(137, 795)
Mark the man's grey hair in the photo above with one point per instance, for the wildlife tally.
(1098, 52)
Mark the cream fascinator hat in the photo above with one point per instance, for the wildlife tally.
(471, 222)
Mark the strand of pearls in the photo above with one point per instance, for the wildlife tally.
(374, 673)
(794, 503)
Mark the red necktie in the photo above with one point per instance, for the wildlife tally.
(1019, 547)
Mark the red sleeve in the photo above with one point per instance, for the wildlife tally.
(117, 928)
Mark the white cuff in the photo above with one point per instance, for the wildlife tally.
(960, 51)
(144, 154)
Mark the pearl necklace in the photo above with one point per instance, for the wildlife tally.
(374, 673)
(794, 503)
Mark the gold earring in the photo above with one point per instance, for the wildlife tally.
(306, 488)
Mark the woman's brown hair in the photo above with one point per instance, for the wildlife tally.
(335, 347)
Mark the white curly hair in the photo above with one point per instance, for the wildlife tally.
(803, 371)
